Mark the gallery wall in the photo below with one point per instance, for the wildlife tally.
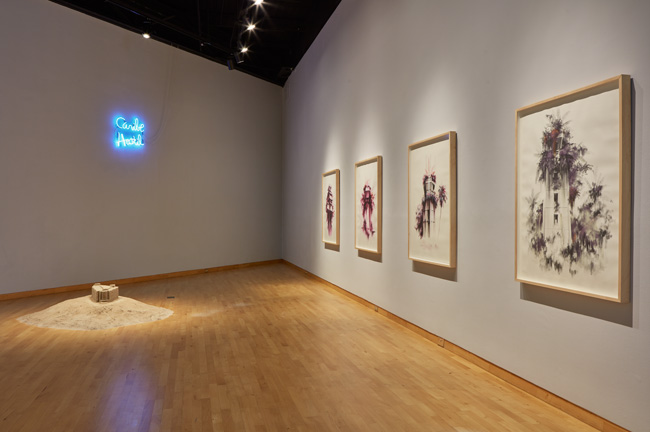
(204, 191)
(385, 74)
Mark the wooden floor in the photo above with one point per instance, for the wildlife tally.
(255, 349)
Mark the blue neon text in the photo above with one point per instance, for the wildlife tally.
(129, 134)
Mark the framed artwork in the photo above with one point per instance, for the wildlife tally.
(331, 213)
(432, 200)
(573, 186)
(367, 205)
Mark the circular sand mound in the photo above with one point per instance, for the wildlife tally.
(84, 314)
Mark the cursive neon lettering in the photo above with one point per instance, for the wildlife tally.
(121, 123)
(122, 141)
(129, 134)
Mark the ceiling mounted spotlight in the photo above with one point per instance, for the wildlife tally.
(244, 49)
(250, 27)
(258, 2)
(146, 32)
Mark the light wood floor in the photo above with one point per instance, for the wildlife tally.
(255, 349)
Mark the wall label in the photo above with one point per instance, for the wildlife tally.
(129, 134)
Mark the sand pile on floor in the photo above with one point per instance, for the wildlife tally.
(84, 314)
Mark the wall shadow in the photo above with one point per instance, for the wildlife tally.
(376, 257)
(435, 271)
(589, 306)
(333, 247)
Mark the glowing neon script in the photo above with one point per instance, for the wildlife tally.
(129, 134)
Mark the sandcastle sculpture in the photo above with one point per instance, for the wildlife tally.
(104, 293)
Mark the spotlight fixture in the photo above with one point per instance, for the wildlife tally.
(244, 49)
(250, 27)
(258, 2)
(146, 29)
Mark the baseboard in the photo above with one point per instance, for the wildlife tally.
(562, 404)
(86, 286)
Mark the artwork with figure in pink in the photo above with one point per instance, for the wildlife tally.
(367, 206)
(367, 201)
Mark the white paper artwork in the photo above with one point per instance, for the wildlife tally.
(368, 206)
(429, 215)
(330, 207)
(568, 195)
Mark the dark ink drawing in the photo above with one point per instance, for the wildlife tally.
(425, 214)
(329, 209)
(566, 229)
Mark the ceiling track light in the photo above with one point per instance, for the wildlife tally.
(146, 32)
(247, 19)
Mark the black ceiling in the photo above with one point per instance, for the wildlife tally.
(216, 29)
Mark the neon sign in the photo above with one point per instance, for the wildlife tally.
(129, 134)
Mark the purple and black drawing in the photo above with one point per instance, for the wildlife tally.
(329, 209)
(563, 233)
(367, 206)
(425, 214)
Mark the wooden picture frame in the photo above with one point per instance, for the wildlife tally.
(432, 200)
(573, 191)
(367, 204)
(331, 206)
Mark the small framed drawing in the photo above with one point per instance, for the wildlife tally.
(432, 200)
(331, 200)
(367, 205)
(573, 185)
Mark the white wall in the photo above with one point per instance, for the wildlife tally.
(384, 74)
(204, 192)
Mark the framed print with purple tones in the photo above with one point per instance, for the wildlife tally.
(432, 200)
(367, 205)
(330, 193)
(573, 191)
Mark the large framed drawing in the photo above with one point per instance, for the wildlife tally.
(573, 185)
(367, 205)
(330, 192)
(432, 200)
